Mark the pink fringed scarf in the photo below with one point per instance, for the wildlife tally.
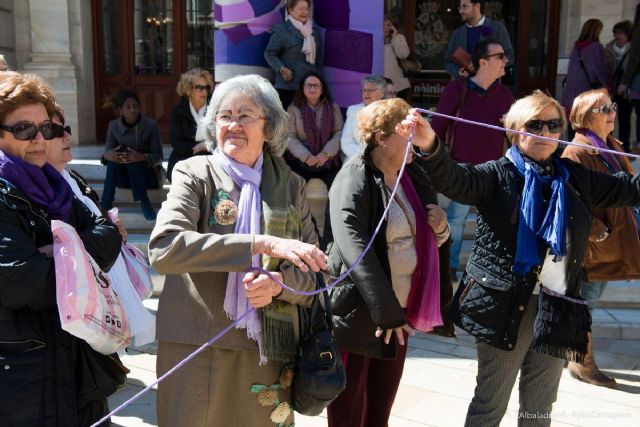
(423, 304)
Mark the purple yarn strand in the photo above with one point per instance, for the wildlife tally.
(519, 132)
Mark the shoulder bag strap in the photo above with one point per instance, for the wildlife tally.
(586, 73)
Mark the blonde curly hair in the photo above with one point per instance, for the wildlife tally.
(188, 79)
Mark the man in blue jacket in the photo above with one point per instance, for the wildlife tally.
(476, 27)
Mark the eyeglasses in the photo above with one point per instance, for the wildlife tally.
(242, 119)
(59, 130)
(312, 85)
(606, 109)
(499, 55)
(370, 90)
(25, 131)
(202, 87)
(536, 126)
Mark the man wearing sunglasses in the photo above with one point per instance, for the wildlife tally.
(476, 28)
(480, 98)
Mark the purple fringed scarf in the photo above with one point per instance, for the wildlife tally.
(423, 303)
(599, 143)
(249, 213)
(44, 186)
(317, 137)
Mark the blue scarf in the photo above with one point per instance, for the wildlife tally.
(550, 227)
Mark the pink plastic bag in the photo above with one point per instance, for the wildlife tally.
(88, 306)
(137, 264)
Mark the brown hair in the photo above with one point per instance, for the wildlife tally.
(581, 113)
(528, 108)
(17, 90)
(187, 80)
(625, 27)
(591, 30)
(380, 117)
(292, 3)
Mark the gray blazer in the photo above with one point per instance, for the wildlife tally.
(197, 255)
(459, 39)
(285, 49)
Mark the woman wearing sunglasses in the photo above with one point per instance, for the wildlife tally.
(613, 248)
(534, 223)
(186, 136)
(42, 377)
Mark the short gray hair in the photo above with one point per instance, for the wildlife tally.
(379, 81)
(265, 97)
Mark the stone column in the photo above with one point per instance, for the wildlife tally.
(51, 53)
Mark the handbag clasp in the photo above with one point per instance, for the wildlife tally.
(326, 354)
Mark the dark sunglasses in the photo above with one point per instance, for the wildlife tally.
(606, 109)
(59, 130)
(536, 126)
(499, 55)
(202, 87)
(26, 131)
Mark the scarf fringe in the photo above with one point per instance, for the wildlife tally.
(278, 336)
(561, 326)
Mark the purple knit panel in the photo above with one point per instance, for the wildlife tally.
(349, 50)
(332, 14)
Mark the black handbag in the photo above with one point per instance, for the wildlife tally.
(319, 376)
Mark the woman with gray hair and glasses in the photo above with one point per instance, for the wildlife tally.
(239, 207)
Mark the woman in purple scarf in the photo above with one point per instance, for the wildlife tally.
(315, 127)
(228, 211)
(48, 376)
(396, 286)
(613, 247)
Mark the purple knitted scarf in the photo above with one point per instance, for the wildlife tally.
(317, 137)
(44, 186)
(599, 143)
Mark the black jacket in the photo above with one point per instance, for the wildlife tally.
(491, 298)
(39, 359)
(182, 134)
(366, 300)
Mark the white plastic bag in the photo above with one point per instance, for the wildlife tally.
(88, 305)
(141, 321)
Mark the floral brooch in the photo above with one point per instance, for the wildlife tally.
(225, 212)
(268, 396)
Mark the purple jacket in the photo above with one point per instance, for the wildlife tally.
(596, 65)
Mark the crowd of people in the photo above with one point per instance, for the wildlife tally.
(554, 226)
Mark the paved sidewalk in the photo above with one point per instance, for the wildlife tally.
(438, 383)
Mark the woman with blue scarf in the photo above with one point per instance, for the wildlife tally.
(520, 293)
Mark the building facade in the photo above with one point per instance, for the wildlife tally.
(87, 49)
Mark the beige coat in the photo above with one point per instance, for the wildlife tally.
(196, 256)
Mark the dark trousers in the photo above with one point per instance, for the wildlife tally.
(136, 173)
(286, 96)
(625, 106)
(372, 385)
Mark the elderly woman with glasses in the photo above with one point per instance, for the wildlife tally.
(613, 248)
(186, 134)
(534, 226)
(46, 380)
(239, 207)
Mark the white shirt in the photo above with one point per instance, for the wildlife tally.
(350, 140)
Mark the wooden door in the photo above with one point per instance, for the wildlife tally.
(537, 46)
(138, 45)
